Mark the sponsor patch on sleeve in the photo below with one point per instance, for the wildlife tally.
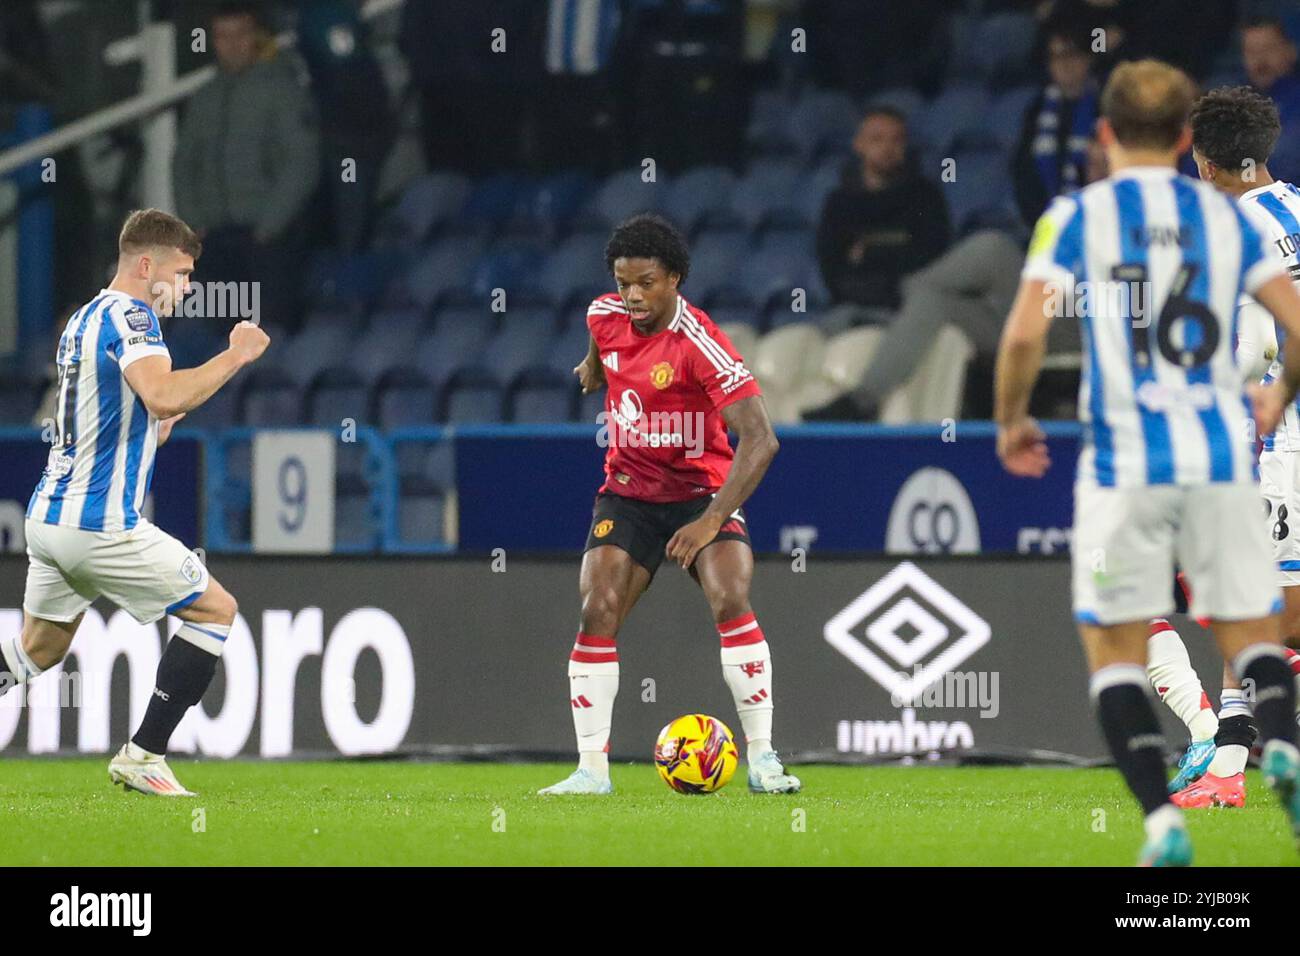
(138, 319)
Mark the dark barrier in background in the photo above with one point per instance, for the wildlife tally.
(364, 656)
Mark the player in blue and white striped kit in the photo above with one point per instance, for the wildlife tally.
(118, 400)
(1153, 264)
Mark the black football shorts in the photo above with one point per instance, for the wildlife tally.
(644, 528)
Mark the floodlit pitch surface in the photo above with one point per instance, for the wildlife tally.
(65, 812)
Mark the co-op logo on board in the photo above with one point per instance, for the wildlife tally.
(932, 514)
(907, 632)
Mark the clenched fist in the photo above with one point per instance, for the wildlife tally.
(248, 342)
(590, 374)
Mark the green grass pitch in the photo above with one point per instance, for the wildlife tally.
(64, 812)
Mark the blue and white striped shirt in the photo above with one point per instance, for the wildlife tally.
(102, 461)
(1153, 263)
(1275, 208)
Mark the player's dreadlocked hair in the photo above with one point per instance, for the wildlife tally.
(648, 236)
(1233, 124)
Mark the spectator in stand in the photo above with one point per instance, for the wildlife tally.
(1269, 56)
(1052, 155)
(356, 120)
(247, 161)
(882, 222)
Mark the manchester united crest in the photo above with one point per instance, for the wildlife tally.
(603, 528)
(661, 376)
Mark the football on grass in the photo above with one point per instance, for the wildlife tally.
(696, 754)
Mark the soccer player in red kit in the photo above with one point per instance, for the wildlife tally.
(673, 487)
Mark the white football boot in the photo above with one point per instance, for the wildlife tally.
(139, 770)
(767, 775)
(580, 781)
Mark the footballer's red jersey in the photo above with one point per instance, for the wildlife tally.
(663, 422)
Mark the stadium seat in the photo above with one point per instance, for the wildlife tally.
(846, 358)
(622, 195)
(319, 345)
(956, 112)
(934, 392)
(549, 205)
(823, 117)
(540, 394)
(389, 337)
(569, 349)
(422, 518)
(590, 406)
(473, 395)
(981, 189)
(337, 394)
(425, 204)
(768, 127)
(405, 396)
(905, 99)
(715, 263)
(1007, 116)
(494, 199)
(510, 265)
(425, 467)
(355, 527)
(441, 268)
(579, 263)
(772, 275)
(788, 356)
(768, 185)
(270, 399)
(742, 335)
(458, 340)
(698, 194)
(1004, 47)
(515, 347)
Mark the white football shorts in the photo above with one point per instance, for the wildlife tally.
(1280, 485)
(144, 571)
(1127, 542)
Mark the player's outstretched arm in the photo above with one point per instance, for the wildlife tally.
(756, 448)
(1020, 358)
(167, 392)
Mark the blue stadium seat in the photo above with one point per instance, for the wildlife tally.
(515, 347)
(982, 189)
(494, 199)
(821, 117)
(768, 185)
(319, 345)
(622, 195)
(421, 518)
(458, 340)
(590, 406)
(773, 274)
(540, 394)
(442, 268)
(355, 527)
(1004, 47)
(336, 394)
(956, 112)
(529, 317)
(270, 399)
(192, 341)
(473, 394)
(510, 265)
(715, 261)
(405, 396)
(768, 120)
(385, 341)
(424, 467)
(550, 204)
(964, 61)
(905, 99)
(699, 193)
(429, 201)
(1007, 116)
(579, 263)
(354, 280)
(569, 349)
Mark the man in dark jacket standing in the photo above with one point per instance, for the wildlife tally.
(247, 161)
